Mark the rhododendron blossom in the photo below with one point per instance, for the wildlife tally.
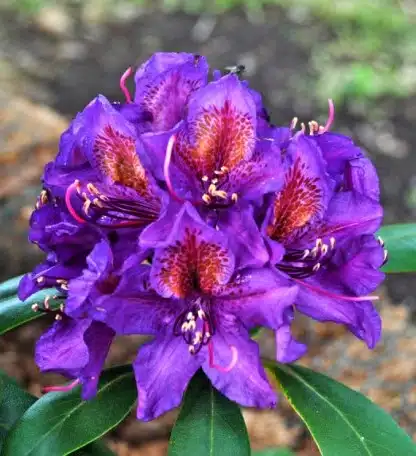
(184, 214)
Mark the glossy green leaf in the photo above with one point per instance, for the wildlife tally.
(14, 401)
(208, 424)
(342, 421)
(60, 423)
(14, 312)
(274, 452)
(9, 287)
(400, 242)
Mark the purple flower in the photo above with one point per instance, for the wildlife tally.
(325, 217)
(183, 214)
(200, 312)
(217, 155)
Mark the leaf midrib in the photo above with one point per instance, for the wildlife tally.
(291, 372)
(71, 413)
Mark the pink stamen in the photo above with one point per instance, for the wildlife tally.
(69, 387)
(123, 87)
(336, 296)
(168, 158)
(68, 203)
(232, 363)
(331, 116)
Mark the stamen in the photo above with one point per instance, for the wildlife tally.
(231, 365)
(69, 387)
(68, 194)
(386, 256)
(380, 241)
(221, 194)
(234, 197)
(331, 116)
(336, 296)
(206, 198)
(123, 87)
(293, 123)
(35, 307)
(332, 242)
(205, 178)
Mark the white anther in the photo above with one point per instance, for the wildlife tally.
(224, 169)
(64, 287)
(40, 279)
(212, 189)
(35, 307)
(191, 349)
(316, 267)
(380, 241)
(332, 242)
(206, 198)
(205, 178)
(86, 206)
(319, 243)
(58, 317)
(185, 326)
(197, 338)
(234, 197)
(221, 194)
(294, 123)
(201, 314)
(46, 302)
(190, 316)
(386, 254)
(324, 249)
(93, 189)
(214, 181)
(306, 253)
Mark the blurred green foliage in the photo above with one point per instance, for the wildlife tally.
(371, 53)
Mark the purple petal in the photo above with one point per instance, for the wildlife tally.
(305, 195)
(97, 338)
(329, 295)
(337, 150)
(220, 128)
(95, 278)
(349, 214)
(263, 173)
(113, 148)
(246, 382)
(259, 297)
(163, 369)
(194, 252)
(288, 349)
(164, 84)
(133, 308)
(75, 349)
(361, 176)
(244, 237)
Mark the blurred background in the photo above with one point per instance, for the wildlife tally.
(55, 56)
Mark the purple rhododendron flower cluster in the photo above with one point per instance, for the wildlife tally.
(185, 215)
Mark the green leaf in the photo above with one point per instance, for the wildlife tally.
(274, 452)
(208, 424)
(60, 423)
(9, 288)
(342, 421)
(14, 312)
(14, 401)
(400, 242)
